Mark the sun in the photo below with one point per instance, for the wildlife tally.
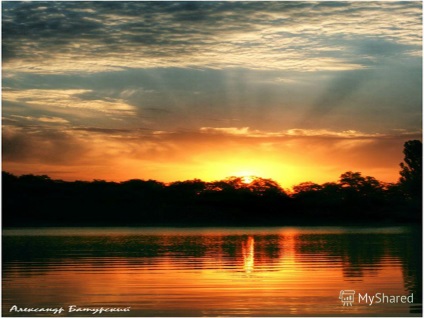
(246, 176)
(247, 179)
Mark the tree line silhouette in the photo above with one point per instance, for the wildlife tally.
(30, 200)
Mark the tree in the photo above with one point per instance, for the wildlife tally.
(358, 190)
(265, 186)
(8, 178)
(352, 180)
(187, 188)
(411, 173)
(306, 187)
(355, 181)
(307, 191)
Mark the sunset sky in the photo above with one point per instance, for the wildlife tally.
(292, 91)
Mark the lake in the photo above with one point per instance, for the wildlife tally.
(287, 271)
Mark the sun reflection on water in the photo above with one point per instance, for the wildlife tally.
(248, 248)
(213, 273)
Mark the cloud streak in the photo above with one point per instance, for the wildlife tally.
(61, 37)
(73, 100)
(253, 133)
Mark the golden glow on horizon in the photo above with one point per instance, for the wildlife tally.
(122, 169)
(171, 159)
(286, 174)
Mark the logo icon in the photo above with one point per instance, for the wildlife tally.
(347, 297)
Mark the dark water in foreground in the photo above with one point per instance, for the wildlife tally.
(212, 272)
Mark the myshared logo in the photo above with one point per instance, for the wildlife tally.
(347, 297)
(382, 298)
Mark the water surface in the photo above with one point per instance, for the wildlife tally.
(212, 272)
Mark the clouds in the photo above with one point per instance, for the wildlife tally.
(68, 102)
(177, 90)
(41, 145)
(300, 36)
(370, 100)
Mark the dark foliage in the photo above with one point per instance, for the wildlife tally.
(411, 174)
(31, 200)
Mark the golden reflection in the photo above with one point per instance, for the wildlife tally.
(248, 249)
(294, 274)
(288, 239)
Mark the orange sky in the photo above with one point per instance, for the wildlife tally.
(289, 159)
